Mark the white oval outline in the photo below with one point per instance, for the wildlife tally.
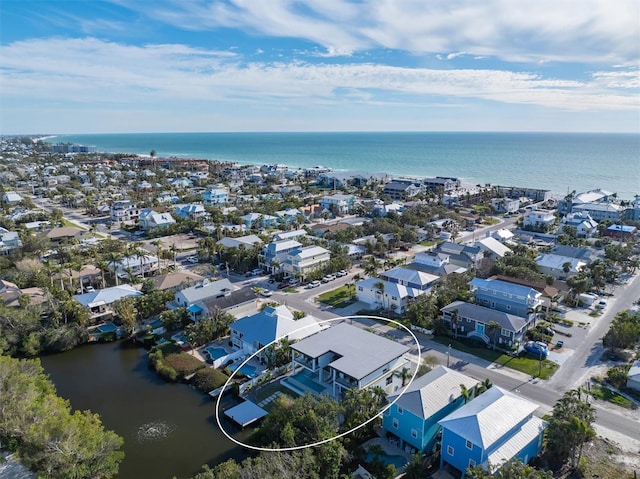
(324, 441)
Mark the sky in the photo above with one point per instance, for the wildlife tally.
(118, 66)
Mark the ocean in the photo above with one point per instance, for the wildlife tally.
(560, 162)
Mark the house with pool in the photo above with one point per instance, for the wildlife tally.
(412, 421)
(344, 357)
(493, 428)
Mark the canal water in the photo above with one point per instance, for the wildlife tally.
(169, 430)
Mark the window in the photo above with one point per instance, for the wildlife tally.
(414, 434)
(505, 332)
(389, 380)
(395, 423)
(400, 410)
(472, 463)
(450, 451)
(469, 445)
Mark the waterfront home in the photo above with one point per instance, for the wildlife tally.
(402, 189)
(413, 419)
(493, 428)
(251, 333)
(300, 262)
(493, 327)
(506, 297)
(150, 219)
(192, 297)
(344, 357)
(559, 266)
(505, 205)
(99, 302)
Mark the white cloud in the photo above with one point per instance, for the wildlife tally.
(524, 31)
(104, 73)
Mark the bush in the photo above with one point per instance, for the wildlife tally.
(208, 379)
(184, 364)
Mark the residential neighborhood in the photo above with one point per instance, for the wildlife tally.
(411, 294)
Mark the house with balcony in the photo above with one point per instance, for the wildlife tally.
(402, 190)
(539, 220)
(124, 210)
(215, 196)
(343, 357)
(338, 204)
(150, 219)
(300, 262)
(275, 253)
(413, 419)
(509, 298)
(505, 205)
(259, 220)
(381, 294)
(410, 278)
(252, 333)
(132, 266)
(493, 428)
(493, 327)
(584, 225)
(99, 302)
(9, 241)
(436, 263)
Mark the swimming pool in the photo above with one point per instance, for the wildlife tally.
(398, 461)
(302, 377)
(247, 370)
(215, 353)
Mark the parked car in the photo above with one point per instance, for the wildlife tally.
(313, 284)
(329, 277)
(341, 273)
(193, 259)
(89, 289)
(537, 348)
(601, 304)
(266, 293)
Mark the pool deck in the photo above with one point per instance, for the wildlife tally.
(387, 446)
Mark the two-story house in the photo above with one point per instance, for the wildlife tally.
(413, 418)
(493, 428)
(275, 253)
(124, 210)
(338, 204)
(539, 220)
(344, 357)
(509, 298)
(436, 263)
(582, 221)
(150, 219)
(215, 196)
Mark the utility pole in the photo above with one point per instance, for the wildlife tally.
(448, 354)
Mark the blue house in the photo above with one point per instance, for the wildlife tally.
(413, 419)
(215, 196)
(506, 297)
(493, 428)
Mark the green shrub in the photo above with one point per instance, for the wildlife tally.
(208, 379)
(166, 372)
(184, 364)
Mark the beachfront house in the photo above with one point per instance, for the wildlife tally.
(251, 333)
(493, 327)
(344, 357)
(412, 421)
(493, 428)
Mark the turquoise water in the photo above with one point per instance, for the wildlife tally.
(215, 353)
(302, 378)
(559, 162)
(247, 370)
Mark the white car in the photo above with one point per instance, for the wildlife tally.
(193, 259)
(313, 284)
(341, 273)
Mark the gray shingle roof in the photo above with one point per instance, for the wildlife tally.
(486, 315)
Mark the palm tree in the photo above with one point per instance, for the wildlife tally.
(465, 393)
(113, 260)
(415, 467)
(404, 374)
(371, 266)
(158, 244)
(492, 327)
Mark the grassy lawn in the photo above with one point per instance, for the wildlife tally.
(338, 298)
(606, 394)
(290, 289)
(525, 364)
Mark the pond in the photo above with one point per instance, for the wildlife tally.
(169, 429)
